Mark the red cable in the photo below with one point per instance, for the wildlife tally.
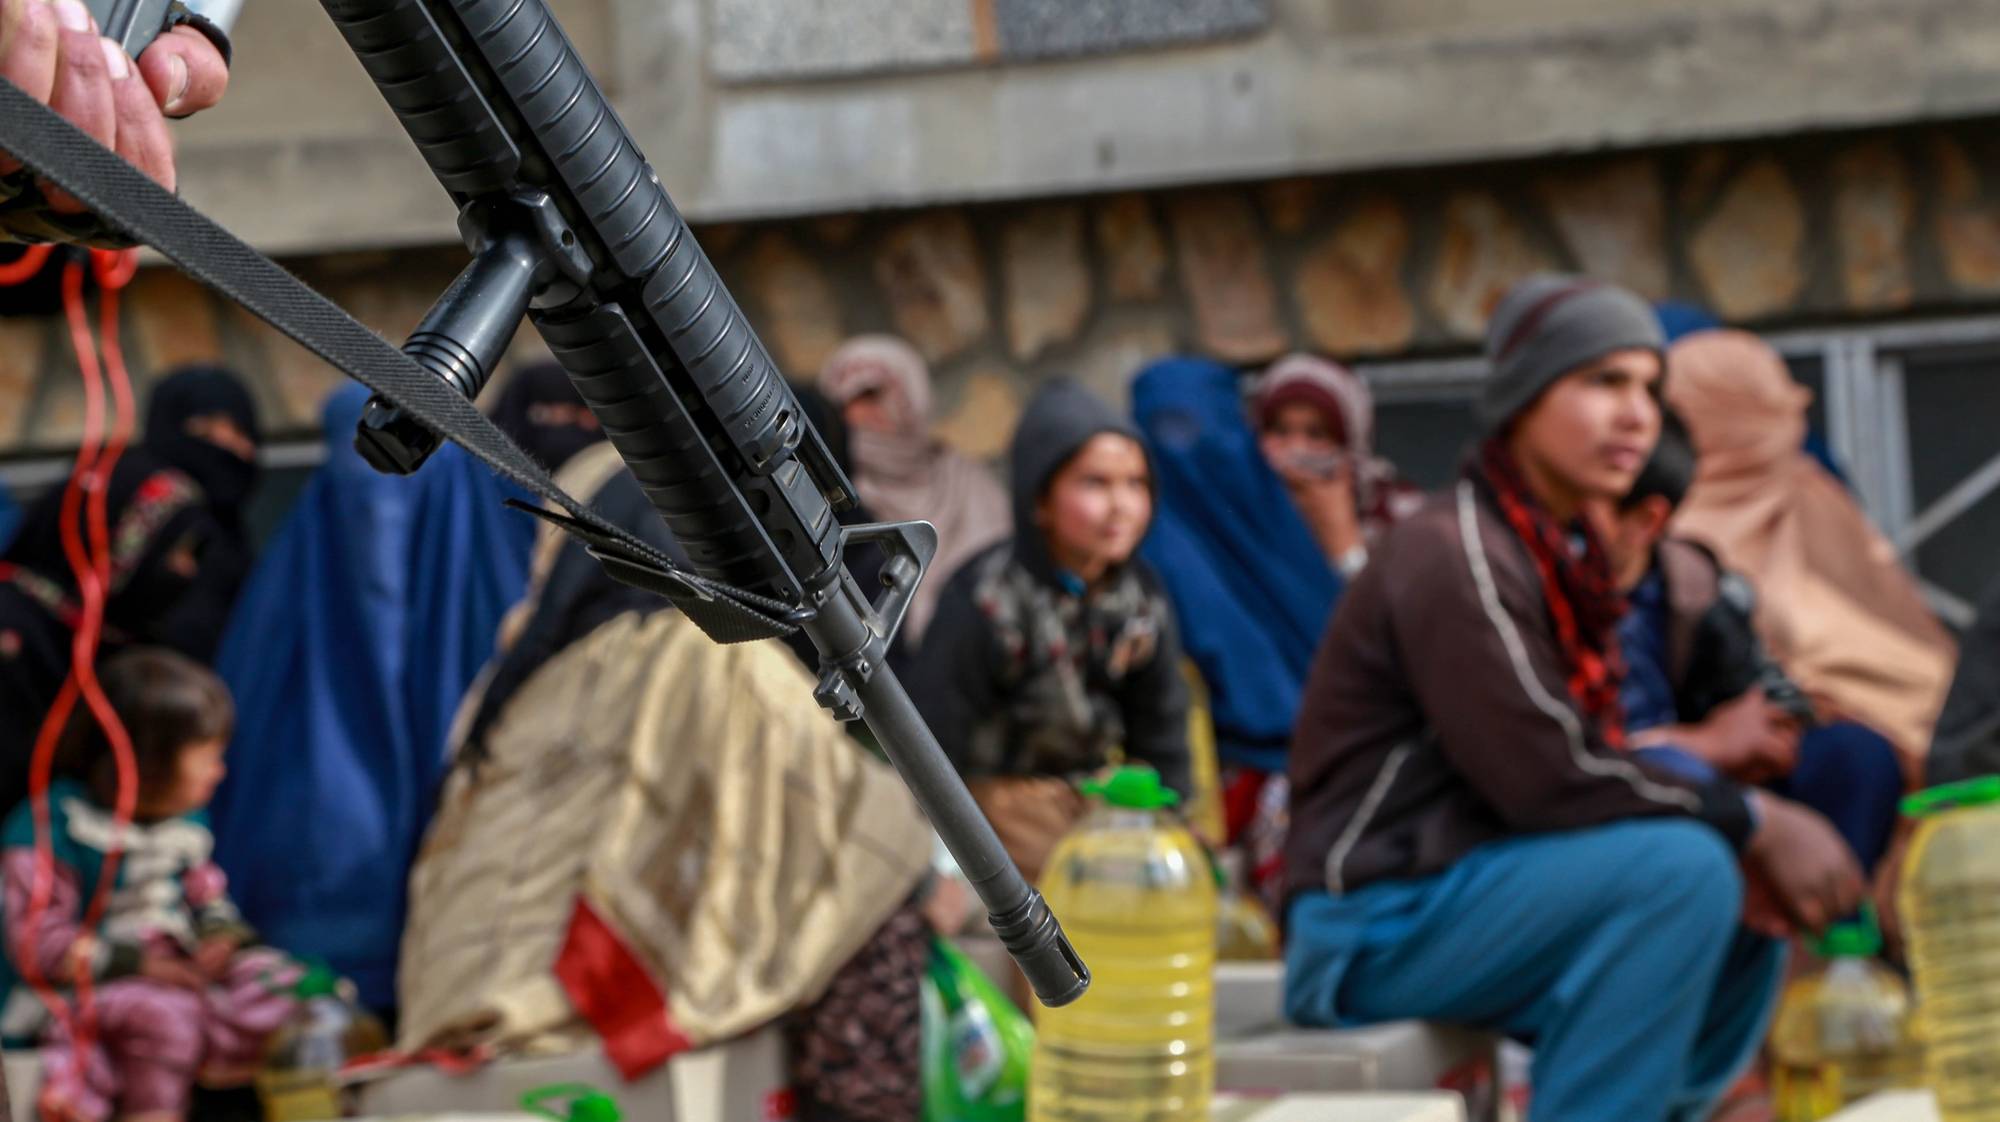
(42, 764)
(27, 265)
(96, 459)
(113, 272)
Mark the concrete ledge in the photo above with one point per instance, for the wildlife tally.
(303, 157)
(744, 1078)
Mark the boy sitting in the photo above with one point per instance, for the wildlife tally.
(1700, 691)
(1470, 840)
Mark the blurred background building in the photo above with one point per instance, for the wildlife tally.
(1022, 187)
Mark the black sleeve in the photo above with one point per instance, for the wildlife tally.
(34, 660)
(954, 677)
(1726, 662)
(195, 624)
(1155, 701)
(1967, 741)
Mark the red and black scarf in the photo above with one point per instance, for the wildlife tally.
(1576, 581)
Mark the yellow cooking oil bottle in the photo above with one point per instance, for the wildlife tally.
(1950, 904)
(1136, 893)
(1843, 1031)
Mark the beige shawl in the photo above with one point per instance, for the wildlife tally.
(740, 843)
(1835, 605)
(907, 474)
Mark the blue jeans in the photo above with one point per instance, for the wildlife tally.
(1614, 952)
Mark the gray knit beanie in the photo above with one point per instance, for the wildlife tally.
(1547, 326)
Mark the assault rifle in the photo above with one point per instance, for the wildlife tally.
(569, 226)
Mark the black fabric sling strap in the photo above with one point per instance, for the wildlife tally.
(63, 154)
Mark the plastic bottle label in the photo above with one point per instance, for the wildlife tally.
(976, 1051)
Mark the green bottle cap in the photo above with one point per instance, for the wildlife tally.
(1860, 937)
(1983, 791)
(319, 980)
(1134, 787)
(586, 1104)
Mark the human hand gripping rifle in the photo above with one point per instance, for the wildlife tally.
(568, 225)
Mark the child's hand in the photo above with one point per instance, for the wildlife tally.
(82, 956)
(172, 970)
(212, 957)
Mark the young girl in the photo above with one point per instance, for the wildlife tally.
(181, 993)
(1055, 653)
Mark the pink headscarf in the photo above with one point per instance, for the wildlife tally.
(906, 473)
(1342, 398)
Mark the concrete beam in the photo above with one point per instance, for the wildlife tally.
(303, 157)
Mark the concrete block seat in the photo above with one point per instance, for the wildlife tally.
(1258, 1053)
(1257, 1050)
(742, 1078)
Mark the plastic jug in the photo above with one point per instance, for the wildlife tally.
(1244, 931)
(1203, 811)
(1136, 893)
(300, 1078)
(1950, 903)
(1843, 1032)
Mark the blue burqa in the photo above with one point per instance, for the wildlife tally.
(357, 635)
(1249, 585)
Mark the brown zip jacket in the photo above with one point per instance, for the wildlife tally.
(1437, 716)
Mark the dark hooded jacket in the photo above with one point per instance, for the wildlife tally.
(1025, 672)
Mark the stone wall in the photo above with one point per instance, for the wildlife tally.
(1856, 226)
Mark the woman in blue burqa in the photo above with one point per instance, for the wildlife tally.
(1250, 585)
(360, 631)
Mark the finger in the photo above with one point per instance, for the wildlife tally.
(185, 72)
(1842, 896)
(1814, 916)
(1808, 907)
(1850, 891)
(83, 92)
(28, 45)
(143, 139)
(29, 35)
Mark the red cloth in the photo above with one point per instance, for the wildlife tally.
(1576, 581)
(1240, 792)
(617, 995)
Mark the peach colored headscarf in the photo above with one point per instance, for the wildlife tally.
(908, 473)
(1835, 605)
